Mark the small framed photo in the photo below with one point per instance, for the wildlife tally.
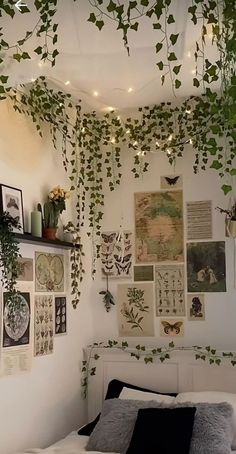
(11, 201)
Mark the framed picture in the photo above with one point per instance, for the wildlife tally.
(12, 202)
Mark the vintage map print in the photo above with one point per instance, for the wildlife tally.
(159, 226)
(16, 320)
(169, 281)
(49, 272)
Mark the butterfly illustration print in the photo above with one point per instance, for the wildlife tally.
(172, 328)
(171, 181)
(116, 254)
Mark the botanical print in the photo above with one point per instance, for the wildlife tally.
(116, 254)
(159, 227)
(25, 269)
(169, 286)
(135, 309)
(196, 307)
(199, 220)
(143, 273)
(206, 267)
(171, 182)
(49, 272)
(16, 320)
(60, 315)
(43, 325)
(11, 202)
(172, 327)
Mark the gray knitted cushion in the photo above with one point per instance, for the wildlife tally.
(212, 430)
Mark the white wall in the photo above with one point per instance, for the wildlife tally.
(219, 327)
(40, 407)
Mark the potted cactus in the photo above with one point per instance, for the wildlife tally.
(54, 206)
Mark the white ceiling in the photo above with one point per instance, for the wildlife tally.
(94, 60)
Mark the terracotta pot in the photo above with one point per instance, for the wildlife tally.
(50, 233)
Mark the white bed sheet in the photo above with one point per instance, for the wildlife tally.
(72, 444)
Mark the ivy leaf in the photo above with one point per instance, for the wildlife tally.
(226, 188)
(4, 79)
(38, 50)
(177, 83)
(92, 18)
(174, 38)
(111, 7)
(160, 65)
(135, 26)
(170, 19)
(144, 2)
(17, 57)
(25, 56)
(176, 69)
(196, 82)
(156, 26)
(99, 24)
(216, 165)
(172, 56)
(158, 47)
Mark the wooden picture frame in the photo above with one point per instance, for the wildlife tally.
(11, 201)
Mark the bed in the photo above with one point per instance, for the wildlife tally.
(180, 374)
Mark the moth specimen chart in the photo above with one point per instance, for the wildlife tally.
(169, 283)
(116, 254)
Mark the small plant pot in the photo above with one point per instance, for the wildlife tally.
(231, 228)
(49, 233)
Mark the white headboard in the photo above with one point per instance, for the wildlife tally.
(182, 372)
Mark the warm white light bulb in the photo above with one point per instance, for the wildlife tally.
(113, 140)
(188, 111)
(170, 137)
(130, 89)
(135, 143)
(138, 153)
(157, 144)
(189, 54)
(67, 82)
(127, 131)
(118, 117)
(193, 71)
(95, 93)
(190, 141)
(83, 129)
(110, 109)
(169, 151)
(33, 80)
(40, 64)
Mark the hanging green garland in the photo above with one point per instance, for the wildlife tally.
(90, 142)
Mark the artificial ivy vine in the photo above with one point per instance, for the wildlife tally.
(149, 355)
(90, 142)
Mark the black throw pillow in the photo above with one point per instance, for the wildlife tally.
(162, 431)
(113, 391)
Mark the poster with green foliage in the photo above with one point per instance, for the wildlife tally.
(159, 227)
(206, 267)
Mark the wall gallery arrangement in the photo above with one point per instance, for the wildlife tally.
(29, 328)
(163, 271)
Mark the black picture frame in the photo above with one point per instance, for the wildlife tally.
(11, 201)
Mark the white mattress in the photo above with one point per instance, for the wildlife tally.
(72, 444)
